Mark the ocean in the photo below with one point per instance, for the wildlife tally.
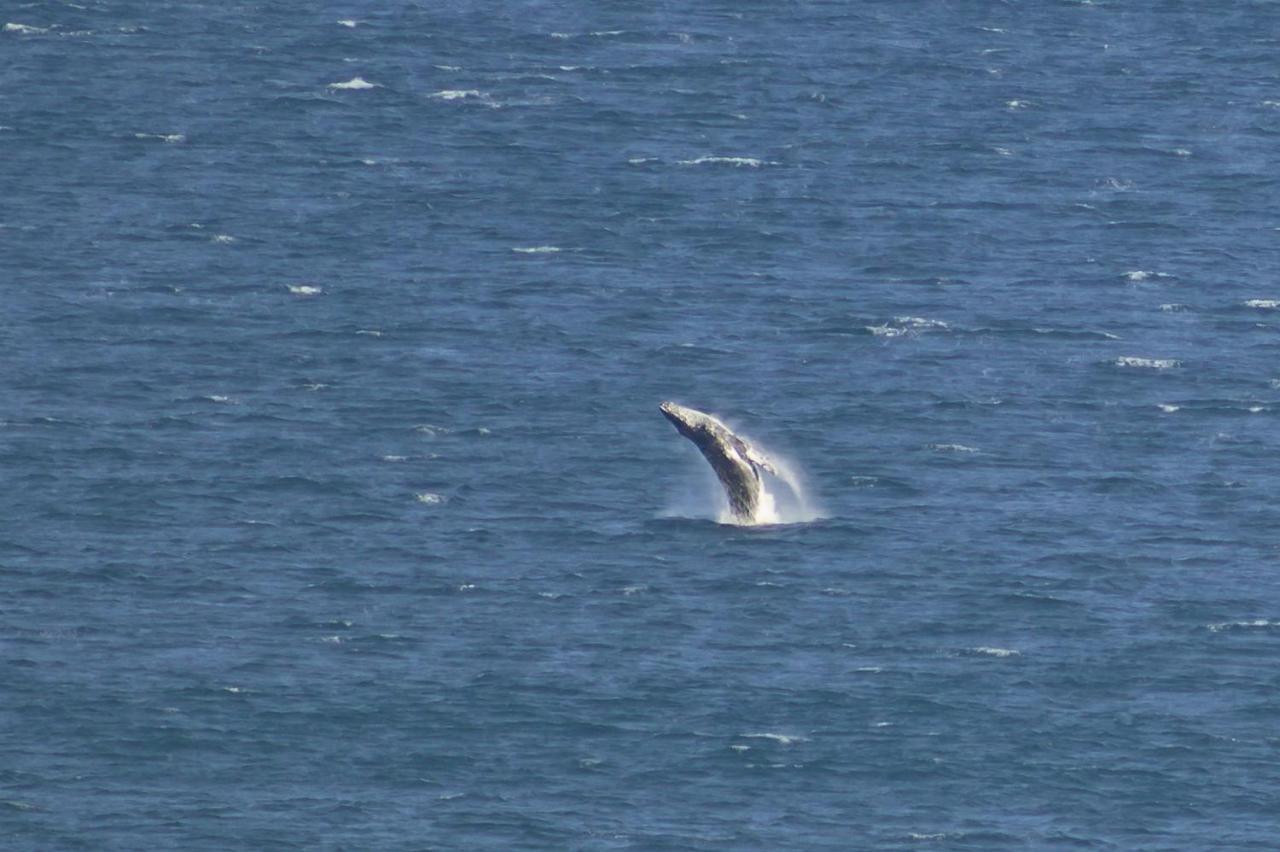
(340, 513)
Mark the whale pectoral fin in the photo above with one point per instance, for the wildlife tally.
(761, 461)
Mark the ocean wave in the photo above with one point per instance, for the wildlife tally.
(169, 138)
(1168, 408)
(429, 497)
(1263, 304)
(1137, 275)
(1242, 625)
(989, 651)
(304, 289)
(24, 29)
(347, 22)
(952, 448)
(781, 739)
(538, 250)
(355, 83)
(886, 330)
(1146, 363)
(459, 95)
(749, 162)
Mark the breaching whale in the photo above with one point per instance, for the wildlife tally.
(737, 464)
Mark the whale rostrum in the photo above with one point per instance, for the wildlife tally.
(737, 464)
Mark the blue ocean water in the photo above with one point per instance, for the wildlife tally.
(340, 514)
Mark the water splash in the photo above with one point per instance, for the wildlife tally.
(784, 496)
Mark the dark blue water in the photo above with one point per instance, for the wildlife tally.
(339, 513)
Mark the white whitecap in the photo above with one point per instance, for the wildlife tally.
(538, 250)
(354, 83)
(25, 29)
(1242, 625)
(952, 448)
(1173, 307)
(347, 23)
(783, 739)
(390, 458)
(920, 322)
(305, 289)
(223, 239)
(429, 497)
(457, 94)
(1168, 408)
(169, 138)
(750, 162)
(1263, 304)
(995, 652)
(1146, 363)
(886, 330)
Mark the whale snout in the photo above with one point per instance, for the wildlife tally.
(677, 414)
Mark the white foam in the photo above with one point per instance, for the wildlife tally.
(216, 397)
(1242, 625)
(1256, 409)
(782, 739)
(1173, 307)
(952, 448)
(447, 67)
(354, 83)
(634, 590)
(466, 587)
(314, 386)
(1015, 104)
(305, 290)
(369, 332)
(538, 250)
(750, 162)
(1168, 408)
(430, 429)
(169, 138)
(457, 94)
(996, 652)
(1182, 152)
(428, 497)
(1139, 275)
(1146, 363)
(223, 239)
(1263, 304)
(25, 29)
(920, 322)
(886, 330)
(395, 458)
(350, 24)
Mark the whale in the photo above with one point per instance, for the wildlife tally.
(737, 464)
